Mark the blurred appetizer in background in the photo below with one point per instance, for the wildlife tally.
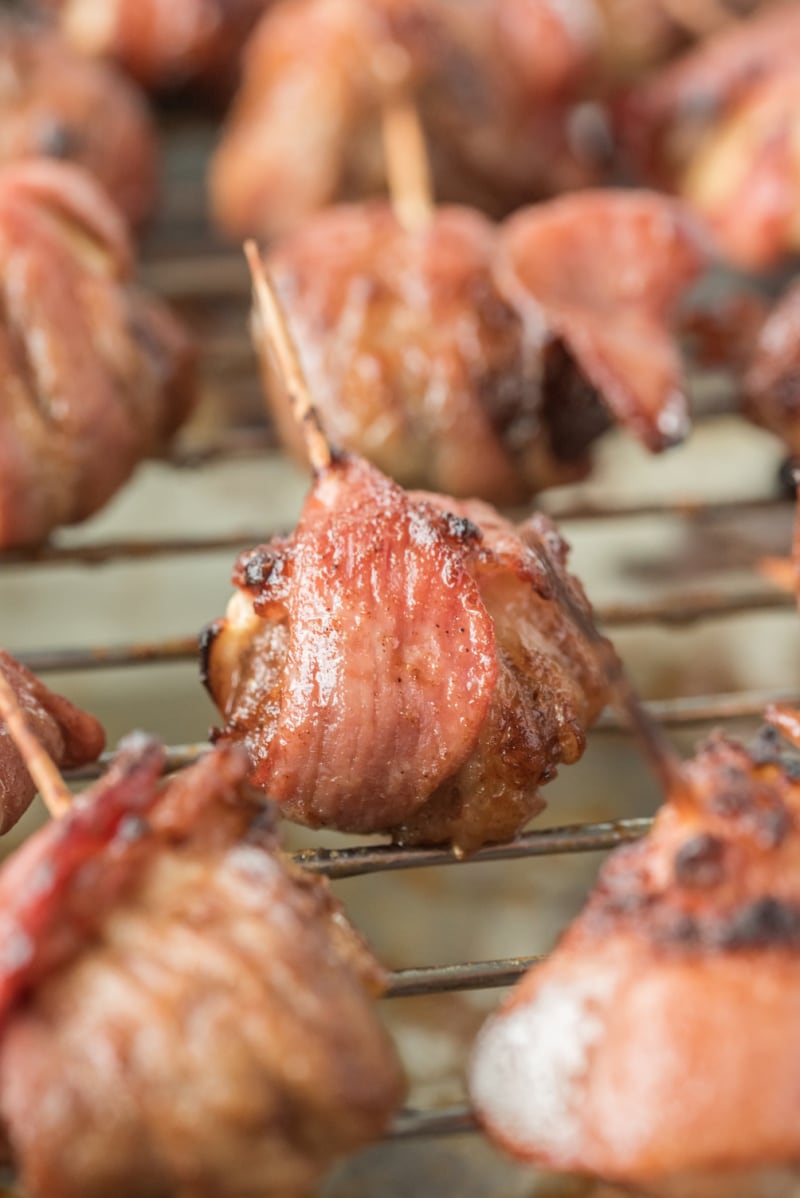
(403, 662)
(165, 44)
(70, 736)
(56, 104)
(235, 1049)
(656, 1046)
(482, 360)
(96, 375)
(772, 379)
(720, 127)
(495, 82)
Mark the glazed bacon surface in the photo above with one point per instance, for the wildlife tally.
(70, 736)
(494, 82)
(183, 1011)
(95, 374)
(162, 43)
(55, 104)
(421, 345)
(402, 664)
(720, 127)
(655, 1046)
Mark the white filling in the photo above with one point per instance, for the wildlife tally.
(529, 1064)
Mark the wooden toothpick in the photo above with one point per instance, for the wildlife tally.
(278, 338)
(407, 167)
(51, 786)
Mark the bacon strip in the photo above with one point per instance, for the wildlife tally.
(604, 271)
(391, 658)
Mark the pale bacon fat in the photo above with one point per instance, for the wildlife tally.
(657, 1046)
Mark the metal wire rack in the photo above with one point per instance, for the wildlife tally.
(203, 281)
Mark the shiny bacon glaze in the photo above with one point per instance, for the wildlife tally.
(420, 346)
(401, 663)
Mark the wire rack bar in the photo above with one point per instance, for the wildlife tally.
(138, 548)
(357, 861)
(671, 611)
(447, 979)
(449, 1121)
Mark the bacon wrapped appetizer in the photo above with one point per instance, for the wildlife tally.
(402, 663)
(495, 82)
(181, 1010)
(95, 374)
(656, 1046)
(479, 361)
(772, 380)
(163, 44)
(720, 127)
(55, 104)
(70, 736)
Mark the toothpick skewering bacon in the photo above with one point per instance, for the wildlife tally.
(402, 662)
(225, 997)
(71, 737)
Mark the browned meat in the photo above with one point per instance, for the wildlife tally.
(604, 272)
(183, 1012)
(495, 82)
(772, 381)
(484, 363)
(55, 104)
(402, 663)
(95, 374)
(413, 357)
(163, 43)
(656, 1046)
(720, 127)
(70, 736)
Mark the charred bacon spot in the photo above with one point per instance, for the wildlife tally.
(205, 643)
(699, 861)
(258, 568)
(56, 139)
(766, 923)
(460, 528)
(766, 747)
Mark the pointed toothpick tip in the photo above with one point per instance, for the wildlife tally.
(276, 336)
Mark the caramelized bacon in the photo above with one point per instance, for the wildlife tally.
(615, 321)
(70, 736)
(494, 82)
(720, 128)
(421, 345)
(413, 356)
(161, 43)
(655, 1046)
(95, 374)
(154, 945)
(401, 664)
(55, 104)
